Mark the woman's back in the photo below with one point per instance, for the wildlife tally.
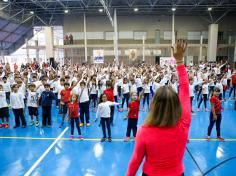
(163, 137)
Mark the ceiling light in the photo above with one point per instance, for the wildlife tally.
(135, 9)
(209, 9)
(5, 0)
(66, 11)
(173, 9)
(100, 10)
(32, 12)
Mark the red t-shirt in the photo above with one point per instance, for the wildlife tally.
(134, 108)
(234, 79)
(65, 95)
(217, 104)
(110, 95)
(73, 110)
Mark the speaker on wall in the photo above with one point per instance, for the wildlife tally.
(157, 60)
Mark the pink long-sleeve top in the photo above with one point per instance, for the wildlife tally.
(163, 147)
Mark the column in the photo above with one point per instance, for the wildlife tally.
(116, 39)
(212, 42)
(143, 48)
(37, 50)
(27, 50)
(48, 31)
(200, 49)
(2, 57)
(173, 32)
(85, 40)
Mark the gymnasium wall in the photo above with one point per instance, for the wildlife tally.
(149, 24)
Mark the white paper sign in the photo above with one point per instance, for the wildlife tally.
(98, 56)
(167, 61)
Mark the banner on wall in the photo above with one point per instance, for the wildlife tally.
(98, 56)
(167, 61)
(133, 54)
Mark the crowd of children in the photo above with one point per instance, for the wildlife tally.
(76, 89)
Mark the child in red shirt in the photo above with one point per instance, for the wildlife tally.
(65, 99)
(73, 114)
(133, 110)
(110, 97)
(215, 115)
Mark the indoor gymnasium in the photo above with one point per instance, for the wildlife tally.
(117, 87)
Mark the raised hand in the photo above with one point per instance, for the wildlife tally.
(179, 50)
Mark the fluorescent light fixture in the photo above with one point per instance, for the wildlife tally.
(66, 11)
(173, 9)
(135, 9)
(100, 10)
(209, 9)
(32, 12)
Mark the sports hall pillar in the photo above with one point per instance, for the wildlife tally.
(37, 50)
(48, 31)
(212, 42)
(173, 31)
(2, 57)
(27, 50)
(116, 39)
(85, 40)
(200, 49)
(143, 48)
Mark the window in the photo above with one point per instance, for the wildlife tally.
(109, 35)
(138, 35)
(167, 35)
(194, 35)
(126, 35)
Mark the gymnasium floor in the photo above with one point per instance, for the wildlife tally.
(34, 151)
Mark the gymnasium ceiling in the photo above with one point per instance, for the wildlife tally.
(17, 17)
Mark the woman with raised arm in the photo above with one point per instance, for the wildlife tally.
(163, 136)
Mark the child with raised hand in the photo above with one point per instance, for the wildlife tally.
(32, 103)
(104, 112)
(17, 104)
(215, 115)
(73, 114)
(132, 115)
(4, 111)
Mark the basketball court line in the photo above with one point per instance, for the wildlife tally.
(45, 153)
(95, 139)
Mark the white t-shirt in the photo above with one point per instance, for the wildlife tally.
(133, 88)
(174, 87)
(156, 86)
(83, 93)
(205, 89)
(93, 89)
(191, 90)
(32, 99)
(59, 89)
(125, 88)
(104, 109)
(3, 102)
(40, 90)
(6, 86)
(146, 88)
(220, 86)
(115, 90)
(138, 82)
(17, 100)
